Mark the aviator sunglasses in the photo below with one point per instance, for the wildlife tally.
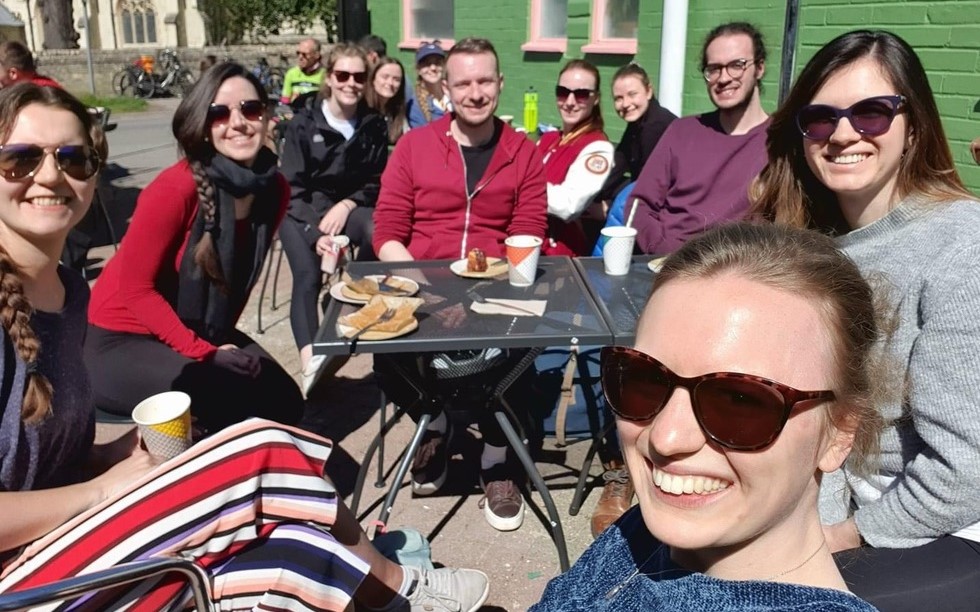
(581, 94)
(343, 76)
(252, 110)
(738, 411)
(20, 161)
(871, 117)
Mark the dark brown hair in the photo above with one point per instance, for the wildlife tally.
(392, 109)
(807, 264)
(595, 121)
(787, 191)
(193, 134)
(14, 54)
(733, 29)
(15, 308)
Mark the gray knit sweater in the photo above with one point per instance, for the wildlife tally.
(930, 256)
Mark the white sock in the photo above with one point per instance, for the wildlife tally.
(410, 577)
(439, 423)
(492, 455)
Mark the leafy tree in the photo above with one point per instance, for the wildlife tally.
(231, 21)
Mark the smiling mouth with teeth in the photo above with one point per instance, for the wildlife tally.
(676, 484)
(853, 158)
(48, 202)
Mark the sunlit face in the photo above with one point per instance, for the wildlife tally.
(575, 111)
(730, 324)
(387, 80)
(729, 92)
(347, 93)
(431, 69)
(631, 98)
(46, 206)
(474, 87)
(307, 57)
(861, 170)
(239, 138)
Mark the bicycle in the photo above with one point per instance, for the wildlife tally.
(134, 80)
(271, 77)
(176, 80)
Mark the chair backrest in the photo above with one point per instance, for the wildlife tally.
(119, 575)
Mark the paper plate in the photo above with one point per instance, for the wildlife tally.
(340, 292)
(344, 330)
(495, 267)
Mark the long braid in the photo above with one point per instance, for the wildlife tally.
(422, 95)
(15, 316)
(205, 254)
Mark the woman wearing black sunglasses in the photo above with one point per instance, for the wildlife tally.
(858, 151)
(164, 309)
(751, 377)
(335, 150)
(577, 159)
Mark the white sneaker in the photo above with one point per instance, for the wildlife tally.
(447, 589)
(312, 371)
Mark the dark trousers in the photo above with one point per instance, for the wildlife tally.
(304, 264)
(941, 575)
(127, 368)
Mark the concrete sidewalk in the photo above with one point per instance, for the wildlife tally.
(345, 407)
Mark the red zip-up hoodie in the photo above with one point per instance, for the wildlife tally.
(424, 205)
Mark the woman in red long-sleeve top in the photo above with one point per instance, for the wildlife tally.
(162, 315)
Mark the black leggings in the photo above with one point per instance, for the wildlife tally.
(304, 264)
(127, 368)
(941, 575)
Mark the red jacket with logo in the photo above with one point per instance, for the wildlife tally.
(424, 205)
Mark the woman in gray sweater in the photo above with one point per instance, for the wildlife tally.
(858, 151)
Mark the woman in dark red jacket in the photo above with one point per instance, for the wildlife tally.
(162, 315)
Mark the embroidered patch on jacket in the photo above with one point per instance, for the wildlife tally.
(596, 163)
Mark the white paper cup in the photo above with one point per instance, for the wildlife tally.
(508, 119)
(523, 253)
(334, 253)
(164, 421)
(618, 250)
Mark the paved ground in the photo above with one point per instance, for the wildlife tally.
(344, 407)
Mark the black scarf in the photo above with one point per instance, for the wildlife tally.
(204, 307)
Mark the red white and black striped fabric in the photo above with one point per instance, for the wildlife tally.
(250, 504)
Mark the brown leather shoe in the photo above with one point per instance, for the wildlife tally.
(616, 498)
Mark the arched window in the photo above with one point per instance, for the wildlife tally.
(138, 21)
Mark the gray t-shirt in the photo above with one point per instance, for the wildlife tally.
(50, 453)
(928, 254)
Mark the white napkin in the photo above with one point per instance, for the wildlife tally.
(524, 308)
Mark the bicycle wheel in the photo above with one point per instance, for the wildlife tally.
(144, 86)
(183, 83)
(124, 83)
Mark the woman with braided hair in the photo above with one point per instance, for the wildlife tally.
(164, 309)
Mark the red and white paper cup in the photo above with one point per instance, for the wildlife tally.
(523, 253)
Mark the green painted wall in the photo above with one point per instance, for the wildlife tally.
(945, 33)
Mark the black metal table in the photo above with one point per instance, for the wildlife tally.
(620, 298)
(446, 323)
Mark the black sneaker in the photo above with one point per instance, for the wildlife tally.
(431, 462)
(503, 505)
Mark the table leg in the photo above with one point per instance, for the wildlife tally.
(368, 454)
(406, 461)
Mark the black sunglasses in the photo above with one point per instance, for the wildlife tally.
(738, 411)
(582, 94)
(871, 117)
(20, 161)
(252, 110)
(343, 76)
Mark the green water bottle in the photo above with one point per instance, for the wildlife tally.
(531, 110)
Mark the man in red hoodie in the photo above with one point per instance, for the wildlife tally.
(465, 181)
(17, 66)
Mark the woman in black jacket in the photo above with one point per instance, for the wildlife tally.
(333, 155)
